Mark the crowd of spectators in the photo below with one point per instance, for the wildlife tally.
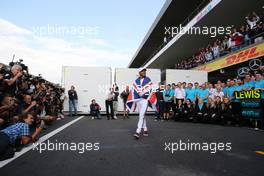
(251, 32)
(28, 104)
(208, 103)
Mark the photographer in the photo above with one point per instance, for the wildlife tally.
(17, 133)
(8, 110)
(95, 110)
(12, 80)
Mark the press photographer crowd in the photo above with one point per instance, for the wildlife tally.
(29, 104)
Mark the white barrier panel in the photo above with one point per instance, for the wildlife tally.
(175, 76)
(126, 76)
(90, 83)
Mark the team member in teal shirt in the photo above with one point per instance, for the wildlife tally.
(203, 93)
(167, 96)
(259, 84)
(231, 89)
(190, 93)
(196, 89)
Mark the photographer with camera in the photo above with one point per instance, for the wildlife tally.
(12, 80)
(29, 106)
(8, 110)
(17, 134)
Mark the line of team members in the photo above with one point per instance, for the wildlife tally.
(210, 103)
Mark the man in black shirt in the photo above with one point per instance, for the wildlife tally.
(72, 100)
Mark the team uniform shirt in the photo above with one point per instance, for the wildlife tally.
(16, 130)
(249, 84)
(167, 95)
(203, 93)
(260, 85)
(179, 93)
(196, 91)
(225, 90)
(239, 87)
(190, 94)
(231, 90)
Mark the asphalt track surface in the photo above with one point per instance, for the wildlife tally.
(121, 155)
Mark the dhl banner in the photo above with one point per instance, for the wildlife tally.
(238, 57)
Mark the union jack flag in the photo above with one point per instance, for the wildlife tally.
(141, 89)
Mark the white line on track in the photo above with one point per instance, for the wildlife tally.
(42, 139)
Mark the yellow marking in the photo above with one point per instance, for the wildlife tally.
(260, 152)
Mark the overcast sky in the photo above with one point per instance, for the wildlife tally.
(48, 34)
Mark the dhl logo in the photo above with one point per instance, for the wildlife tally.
(242, 56)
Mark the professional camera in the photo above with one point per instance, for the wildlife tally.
(23, 66)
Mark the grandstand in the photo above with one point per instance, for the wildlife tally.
(154, 52)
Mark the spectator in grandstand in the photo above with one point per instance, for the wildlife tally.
(259, 33)
(247, 34)
(237, 38)
(252, 20)
(73, 98)
(95, 110)
(215, 49)
(231, 43)
(224, 46)
(245, 31)
(167, 97)
(124, 96)
(208, 54)
(115, 100)
(109, 104)
(18, 133)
